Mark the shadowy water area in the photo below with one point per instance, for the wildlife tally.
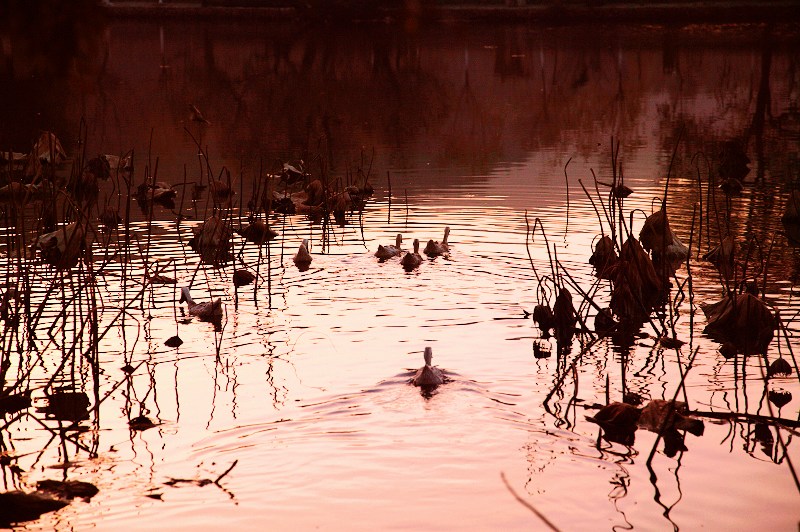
(140, 157)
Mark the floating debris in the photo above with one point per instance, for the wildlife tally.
(258, 232)
(14, 402)
(18, 506)
(67, 406)
(242, 277)
(140, 423)
(173, 341)
(69, 489)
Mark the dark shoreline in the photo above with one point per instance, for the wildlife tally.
(569, 13)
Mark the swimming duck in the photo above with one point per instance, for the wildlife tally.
(428, 376)
(302, 259)
(207, 311)
(413, 259)
(387, 252)
(438, 248)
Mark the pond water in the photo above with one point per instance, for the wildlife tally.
(306, 386)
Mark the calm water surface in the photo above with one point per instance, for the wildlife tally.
(307, 385)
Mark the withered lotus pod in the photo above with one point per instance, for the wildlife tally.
(604, 258)
(743, 320)
(779, 398)
(779, 367)
(604, 323)
(621, 191)
(221, 191)
(656, 233)
(110, 219)
(543, 317)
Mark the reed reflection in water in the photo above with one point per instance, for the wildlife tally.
(304, 384)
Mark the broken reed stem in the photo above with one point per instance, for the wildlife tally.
(599, 219)
(528, 249)
(528, 505)
(226, 472)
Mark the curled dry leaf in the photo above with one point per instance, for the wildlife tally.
(258, 232)
(657, 236)
(743, 320)
(565, 316)
(604, 258)
(64, 247)
(637, 286)
(212, 241)
(46, 150)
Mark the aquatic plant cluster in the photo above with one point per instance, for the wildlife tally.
(69, 220)
(643, 288)
(69, 225)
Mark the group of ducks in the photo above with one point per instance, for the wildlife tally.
(410, 259)
(428, 376)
